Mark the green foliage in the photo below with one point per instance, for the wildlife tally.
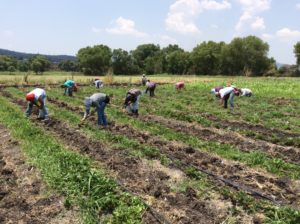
(68, 65)
(297, 53)
(94, 60)
(70, 173)
(39, 64)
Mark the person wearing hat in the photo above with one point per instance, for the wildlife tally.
(99, 101)
(37, 97)
(69, 87)
(144, 80)
(131, 103)
(179, 85)
(150, 87)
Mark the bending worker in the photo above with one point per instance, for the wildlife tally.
(37, 97)
(99, 101)
(131, 103)
(179, 85)
(98, 83)
(150, 87)
(226, 94)
(246, 92)
(69, 87)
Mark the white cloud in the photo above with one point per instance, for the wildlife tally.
(286, 34)
(298, 6)
(182, 14)
(258, 24)
(250, 9)
(125, 27)
(96, 30)
(266, 36)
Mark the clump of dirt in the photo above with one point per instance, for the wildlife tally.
(23, 196)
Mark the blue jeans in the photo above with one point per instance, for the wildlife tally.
(100, 112)
(43, 113)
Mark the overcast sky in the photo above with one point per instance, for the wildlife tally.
(65, 26)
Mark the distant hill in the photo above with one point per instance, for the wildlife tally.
(55, 59)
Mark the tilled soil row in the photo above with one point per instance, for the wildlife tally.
(288, 154)
(268, 133)
(256, 182)
(23, 196)
(135, 175)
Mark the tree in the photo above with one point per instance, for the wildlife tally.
(206, 58)
(178, 62)
(297, 53)
(7, 62)
(142, 52)
(23, 65)
(123, 63)
(245, 56)
(94, 60)
(39, 64)
(67, 65)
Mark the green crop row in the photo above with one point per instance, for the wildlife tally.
(70, 173)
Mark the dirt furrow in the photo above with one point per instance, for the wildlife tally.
(288, 154)
(280, 189)
(273, 135)
(150, 183)
(23, 196)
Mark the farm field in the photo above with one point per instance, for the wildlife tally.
(185, 159)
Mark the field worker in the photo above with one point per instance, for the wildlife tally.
(98, 83)
(179, 85)
(75, 87)
(99, 101)
(228, 93)
(131, 103)
(246, 92)
(150, 87)
(144, 79)
(216, 89)
(68, 85)
(37, 97)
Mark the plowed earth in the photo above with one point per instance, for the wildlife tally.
(23, 196)
(139, 178)
(282, 190)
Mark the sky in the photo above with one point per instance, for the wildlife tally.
(65, 26)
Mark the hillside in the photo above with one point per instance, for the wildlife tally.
(52, 58)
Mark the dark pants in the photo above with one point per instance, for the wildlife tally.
(151, 91)
(229, 97)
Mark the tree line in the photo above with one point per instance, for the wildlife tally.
(242, 56)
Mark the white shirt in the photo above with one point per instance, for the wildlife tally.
(246, 91)
(225, 91)
(38, 92)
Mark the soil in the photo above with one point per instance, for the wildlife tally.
(23, 196)
(264, 183)
(288, 154)
(281, 137)
(135, 176)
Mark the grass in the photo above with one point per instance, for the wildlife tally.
(70, 173)
(254, 159)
